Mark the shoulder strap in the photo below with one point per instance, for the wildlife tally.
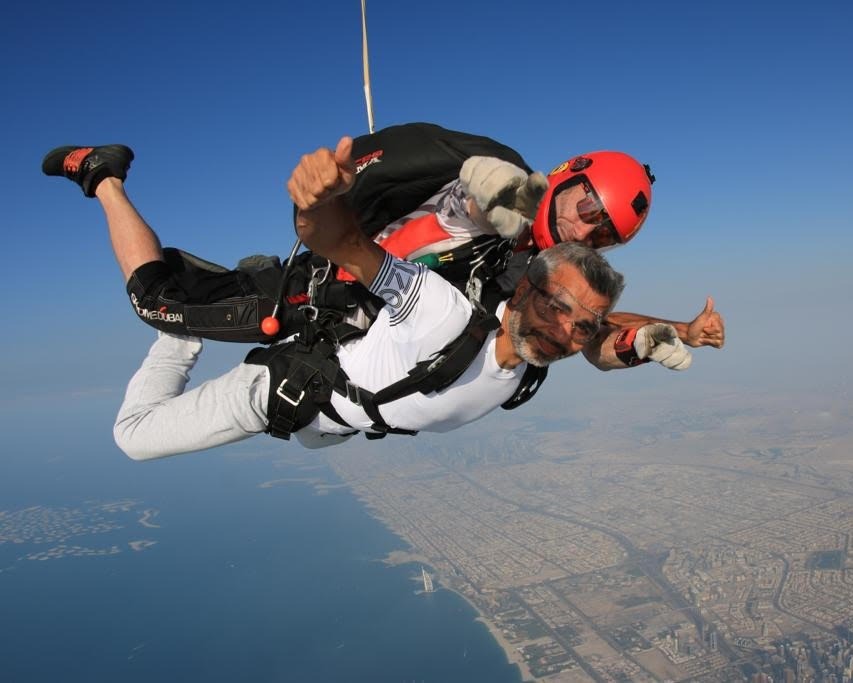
(446, 366)
(432, 374)
(530, 383)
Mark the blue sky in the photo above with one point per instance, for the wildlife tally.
(743, 113)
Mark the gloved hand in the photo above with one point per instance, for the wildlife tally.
(504, 193)
(659, 342)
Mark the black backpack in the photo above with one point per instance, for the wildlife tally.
(400, 167)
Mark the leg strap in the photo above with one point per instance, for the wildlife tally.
(301, 379)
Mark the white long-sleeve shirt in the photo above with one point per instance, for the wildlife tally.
(422, 313)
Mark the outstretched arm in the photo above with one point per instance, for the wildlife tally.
(706, 329)
(324, 222)
(656, 342)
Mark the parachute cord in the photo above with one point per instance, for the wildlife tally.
(369, 100)
(366, 67)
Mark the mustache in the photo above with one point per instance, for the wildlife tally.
(562, 348)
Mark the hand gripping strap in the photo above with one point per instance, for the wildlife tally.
(624, 348)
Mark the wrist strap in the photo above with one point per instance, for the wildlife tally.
(624, 348)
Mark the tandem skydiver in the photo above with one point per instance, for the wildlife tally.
(432, 360)
(425, 193)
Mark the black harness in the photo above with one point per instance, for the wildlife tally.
(305, 371)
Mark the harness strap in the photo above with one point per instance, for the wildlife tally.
(432, 374)
(446, 366)
(305, 372)
(301, 380)
(531, 380)
(482, 258)
(329, 411)
(366, 400)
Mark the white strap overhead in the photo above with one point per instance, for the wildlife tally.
(367, 95)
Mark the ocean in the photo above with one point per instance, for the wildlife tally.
(228, 582)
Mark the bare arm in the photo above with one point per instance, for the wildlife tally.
(601, 352)
(656, 342)
(324, 223)
(706, 329)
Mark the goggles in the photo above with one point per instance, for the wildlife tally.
(592, 212)
(564, 311)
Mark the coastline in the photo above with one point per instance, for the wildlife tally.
(401, 557)
(412, 556)
(512, 654)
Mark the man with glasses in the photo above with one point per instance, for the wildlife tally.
(599, 199)
(556, 311)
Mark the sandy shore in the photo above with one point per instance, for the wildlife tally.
(512, 654)
(399, 557)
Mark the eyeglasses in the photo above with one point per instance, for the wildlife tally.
(550, 308)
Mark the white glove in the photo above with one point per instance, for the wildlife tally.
(505, 194)
(659, 342)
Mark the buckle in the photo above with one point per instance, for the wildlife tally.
(280, 393)
(439, 360)
(474, 288)
(353, 393)
(311, 312)
(318, 277)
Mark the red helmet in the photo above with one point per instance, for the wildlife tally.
(618, 196)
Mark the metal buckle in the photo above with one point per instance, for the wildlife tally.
(311, 312)
(318, 277)
(280, 393)
(474, 290)
(353, 393)
(439, 360)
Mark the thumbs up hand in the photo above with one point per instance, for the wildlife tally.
(707, 328)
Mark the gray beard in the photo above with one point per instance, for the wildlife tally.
(521, 341)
